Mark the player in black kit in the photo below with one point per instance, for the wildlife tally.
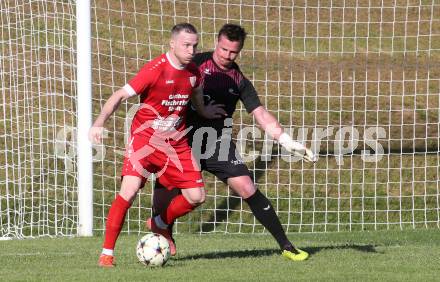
(223, 86)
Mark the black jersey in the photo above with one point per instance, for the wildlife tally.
(223, 87)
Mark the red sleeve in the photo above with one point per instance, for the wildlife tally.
(146, 77)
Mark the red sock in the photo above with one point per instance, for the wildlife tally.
(115, 221)
(178, 207)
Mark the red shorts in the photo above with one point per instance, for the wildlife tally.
(173, 164)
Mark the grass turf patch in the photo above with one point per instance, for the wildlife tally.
(378, 255)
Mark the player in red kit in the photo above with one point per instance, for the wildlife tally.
(157, 143)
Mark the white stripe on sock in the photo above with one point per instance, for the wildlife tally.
(107, 252)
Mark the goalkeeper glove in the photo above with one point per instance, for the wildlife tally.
(297, 148)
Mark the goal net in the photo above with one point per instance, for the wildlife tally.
(359, 81)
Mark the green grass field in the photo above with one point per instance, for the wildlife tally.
(354, 256)
(316, 64)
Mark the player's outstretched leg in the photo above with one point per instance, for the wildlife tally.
(265, 214)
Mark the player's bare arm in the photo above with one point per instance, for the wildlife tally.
(210, 111)
(271, 125)
(112, 104)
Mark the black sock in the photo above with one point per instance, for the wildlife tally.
(161, 200)
(265, 214)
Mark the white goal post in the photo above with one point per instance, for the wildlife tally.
(84, 118)
(359, 81)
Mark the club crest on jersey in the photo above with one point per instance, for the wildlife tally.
(192, 80)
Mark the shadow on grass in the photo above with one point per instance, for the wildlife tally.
(360, 248)
(270, 252)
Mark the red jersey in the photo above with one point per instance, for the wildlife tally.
(165, 90)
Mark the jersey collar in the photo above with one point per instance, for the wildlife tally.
(172, 63)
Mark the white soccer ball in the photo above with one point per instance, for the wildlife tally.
(153, 250)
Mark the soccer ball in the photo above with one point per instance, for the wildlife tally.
(153, 250)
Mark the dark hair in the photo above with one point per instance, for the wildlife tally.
(233, 32)
(187, 27)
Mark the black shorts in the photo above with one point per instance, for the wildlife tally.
(224, 162)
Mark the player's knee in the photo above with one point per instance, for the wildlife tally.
(242, 185)
(202, 198)
(196, 197)
(128, 194)
(246, 190)
(130, 187)
(198, 200)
